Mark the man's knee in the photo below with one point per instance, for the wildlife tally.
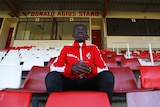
(107, 75)
(52, 77)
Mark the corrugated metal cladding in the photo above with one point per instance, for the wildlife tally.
(101, 5)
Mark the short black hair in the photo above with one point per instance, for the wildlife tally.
(80, 25)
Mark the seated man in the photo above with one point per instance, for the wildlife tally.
(80, 67)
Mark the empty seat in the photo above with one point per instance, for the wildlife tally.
(110, 54)
(104, 51)
(32, 61)
(11, 58)
(143, 54)
(158, 54)
(111, 62)
(51, 61)
(135, 53)
(10, 61)
(15, 99)
(118, 58)
(150, 76)
(143, 99)
(10, 76)
(35, 80)
(35, 83)
(133, 63)
(125, 80)
(78, 99)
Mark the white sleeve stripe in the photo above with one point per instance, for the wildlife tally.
(101, 69)
(58, 69)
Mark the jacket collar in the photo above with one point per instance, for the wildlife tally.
(77, 45)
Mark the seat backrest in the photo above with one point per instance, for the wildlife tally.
(10, 60)
(110, 62)
(158, 54)
(10, 76)
(143, 54)
(110, 54)
(118, 58)
(135, 53)
(143, 99)
(35, 79)
(104, 51)
(15, 99)
(150, 76)
(125, 80)
(78, 99)
(32, 61)
(51, 61)
(133, 63)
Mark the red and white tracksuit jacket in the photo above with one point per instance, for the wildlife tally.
(71, 54)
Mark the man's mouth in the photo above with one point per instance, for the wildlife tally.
(80, 35)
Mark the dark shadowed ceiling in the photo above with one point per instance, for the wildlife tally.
(15, 6)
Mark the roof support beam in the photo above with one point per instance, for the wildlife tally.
(105, 8)
(12, 7)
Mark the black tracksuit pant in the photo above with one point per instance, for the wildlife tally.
(103, 82)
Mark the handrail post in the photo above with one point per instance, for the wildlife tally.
(128, 50)
(117, 49)
(150, 53)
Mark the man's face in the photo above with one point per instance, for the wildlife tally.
(80, 33)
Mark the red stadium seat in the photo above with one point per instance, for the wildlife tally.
(158, 54)
(104, 51)
(125, 80)
(133, 63)
(110, 62)
(111, 54)
(78, 99)
(150, 76)
(35, 80)
(118, 58)
(135, 53)
(123, 51)
(143, 54)
(51, 61)
(15, 99)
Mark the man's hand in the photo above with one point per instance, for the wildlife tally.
(81, 68)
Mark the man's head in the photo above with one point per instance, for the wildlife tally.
(80, 33)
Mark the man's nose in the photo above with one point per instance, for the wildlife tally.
(80, 31)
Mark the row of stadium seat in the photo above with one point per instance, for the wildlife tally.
(125, 81)
(56, 99)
